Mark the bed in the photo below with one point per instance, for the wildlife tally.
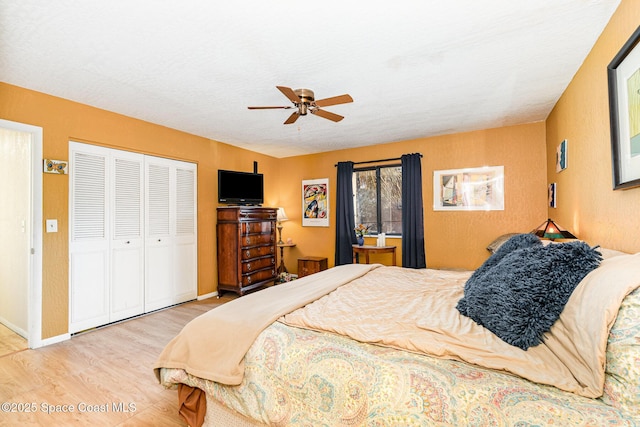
(388, 346)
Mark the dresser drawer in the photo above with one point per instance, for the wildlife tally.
(257, 215)
(258, 264)
(263, 227)
(257, 239)
(257, 251)
(258, 276)
(235, 214)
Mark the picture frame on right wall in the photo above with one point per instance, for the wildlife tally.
(623, 74)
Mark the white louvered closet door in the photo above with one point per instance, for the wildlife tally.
(89, 238)
(186, 248)
(133, 238)
(127, 241)
(170, 243)
(159, 240)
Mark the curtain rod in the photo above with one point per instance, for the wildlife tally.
(378, 161)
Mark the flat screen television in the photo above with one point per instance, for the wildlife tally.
(240, 188)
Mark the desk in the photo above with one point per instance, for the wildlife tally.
(282, 268)
(370, 249)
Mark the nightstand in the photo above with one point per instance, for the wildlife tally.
(311, 264)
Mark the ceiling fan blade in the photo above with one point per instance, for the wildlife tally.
(327, 115)
(269, 108)
(289, 93)
(334, 100)
(292, 118)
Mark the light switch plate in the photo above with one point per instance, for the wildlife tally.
(52, 226)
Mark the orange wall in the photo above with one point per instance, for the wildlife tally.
(453, 239)
(63, 120)
(587, 205)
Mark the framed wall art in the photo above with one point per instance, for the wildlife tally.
(60, 167)
(623, 75)
(561, 156)
(552, 193)
(315, 202)
(473, 189)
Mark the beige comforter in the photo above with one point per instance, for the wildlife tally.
(212, 346)
(415, 310)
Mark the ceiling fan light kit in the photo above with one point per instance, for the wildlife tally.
(304, 101)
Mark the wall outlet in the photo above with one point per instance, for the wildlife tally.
(52, 226)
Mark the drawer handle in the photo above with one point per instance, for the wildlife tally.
(273, 261)
(249, 279)
(249, 266)
(248, 240)
(248, 254)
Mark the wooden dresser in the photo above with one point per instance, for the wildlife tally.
(246, 248)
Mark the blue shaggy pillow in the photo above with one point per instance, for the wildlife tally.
(521, 295)
(519, 241)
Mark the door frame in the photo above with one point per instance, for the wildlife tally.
(34, 298)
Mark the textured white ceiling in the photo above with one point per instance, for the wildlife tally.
(415, 68)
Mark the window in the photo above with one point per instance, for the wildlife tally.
(378, 198)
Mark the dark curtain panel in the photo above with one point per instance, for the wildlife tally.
(345, 222)
(412, 215)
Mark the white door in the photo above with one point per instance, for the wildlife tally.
(89, 273)
(171, 240)
(15, 229)
(186, 247)
(127, 243)
(159, 242)
(133, 244)
(21, 230)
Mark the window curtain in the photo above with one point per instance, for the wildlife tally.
(413, 255)
(345, 218)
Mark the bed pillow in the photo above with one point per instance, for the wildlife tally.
(522, 295)
(517, 241)
(499, 241)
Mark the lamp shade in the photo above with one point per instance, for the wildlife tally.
(281, 215)
(550, 230)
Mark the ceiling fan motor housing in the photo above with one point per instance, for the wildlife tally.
(307, 98)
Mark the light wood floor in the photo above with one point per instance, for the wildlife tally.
(10, 342)
(105, 369)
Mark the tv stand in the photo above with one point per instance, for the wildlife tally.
(246, 248)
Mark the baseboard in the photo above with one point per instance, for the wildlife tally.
(207, 296)
(15, 328)
(55, 340)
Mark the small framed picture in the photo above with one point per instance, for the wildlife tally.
(552, 195)
(561, 156)
(56, 166)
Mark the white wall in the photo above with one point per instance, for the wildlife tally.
(15, 228)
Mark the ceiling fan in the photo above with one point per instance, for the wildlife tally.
(304, 102)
